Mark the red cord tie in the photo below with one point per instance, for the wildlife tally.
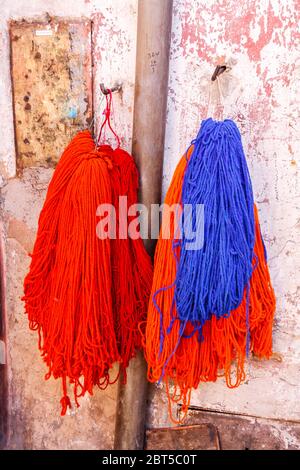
(107, 114)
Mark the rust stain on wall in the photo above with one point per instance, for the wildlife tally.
(52, 87)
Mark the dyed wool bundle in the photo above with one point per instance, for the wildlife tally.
(75, 286)
(68, 287)
(173, 352)
(131, 265)
(212, 280)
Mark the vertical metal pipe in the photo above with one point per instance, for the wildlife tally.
(150, 104)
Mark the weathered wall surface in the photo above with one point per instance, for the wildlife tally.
(53, 60)
(260, 40)
(35, 420)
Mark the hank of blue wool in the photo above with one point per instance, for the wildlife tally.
(212, 280)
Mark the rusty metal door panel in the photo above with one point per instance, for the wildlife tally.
(196, 437)
(51, 70)
(208, 430)
(240, 432)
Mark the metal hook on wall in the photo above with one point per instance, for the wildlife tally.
(105, 91)
(218, 71)
(117, 87)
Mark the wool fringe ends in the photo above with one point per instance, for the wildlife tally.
(180, 358)
(75, 296)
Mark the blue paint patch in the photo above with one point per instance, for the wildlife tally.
(72, 113)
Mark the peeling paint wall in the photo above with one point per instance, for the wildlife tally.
(34, 409)
(260, 40)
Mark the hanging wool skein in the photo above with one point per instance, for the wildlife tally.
(173, 351)
(68, 287)
(132, 270)
(211, 280)
(75, 291)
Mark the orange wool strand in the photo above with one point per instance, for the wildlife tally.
(224, 340)
(67, 290)
(131, 265)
